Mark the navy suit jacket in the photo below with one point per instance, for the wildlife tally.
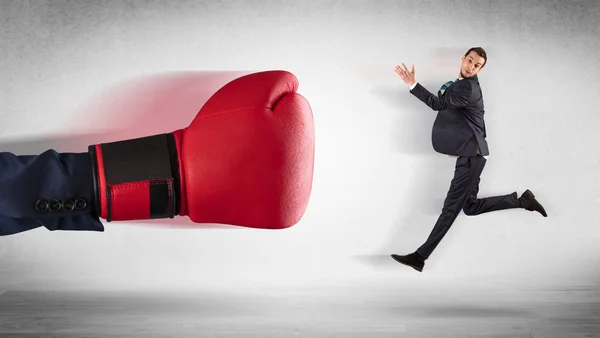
(54, 190)
(459, 128)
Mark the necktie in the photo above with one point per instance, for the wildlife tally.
(445, 86)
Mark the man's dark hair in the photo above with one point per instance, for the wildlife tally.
(479, 52)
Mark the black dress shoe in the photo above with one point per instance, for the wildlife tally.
(529, 202)
(411, 260)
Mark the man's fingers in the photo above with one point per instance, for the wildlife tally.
(401, 72)
(404, 72)
(406, 68)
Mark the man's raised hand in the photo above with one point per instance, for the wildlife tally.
(407, 76)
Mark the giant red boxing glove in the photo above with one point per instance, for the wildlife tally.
(246, 159)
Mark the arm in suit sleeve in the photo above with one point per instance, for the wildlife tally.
(83, 222)
(459, 97)
(50, 176)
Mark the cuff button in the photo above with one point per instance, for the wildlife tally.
(80, 204)
(55, 205)
(41, 205)
(69, 205)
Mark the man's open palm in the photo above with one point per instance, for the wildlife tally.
(407, 76)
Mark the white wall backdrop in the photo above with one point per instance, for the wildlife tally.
(73, 73)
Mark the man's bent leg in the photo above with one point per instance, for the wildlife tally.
(475, 206)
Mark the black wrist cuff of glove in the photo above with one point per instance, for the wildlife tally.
(137, 178)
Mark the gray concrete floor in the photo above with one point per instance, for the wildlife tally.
(400, 305)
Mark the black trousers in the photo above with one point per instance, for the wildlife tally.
(462, 195)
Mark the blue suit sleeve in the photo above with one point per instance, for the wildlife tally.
(459, 97)
(54, 190)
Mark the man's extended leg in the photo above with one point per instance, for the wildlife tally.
(466, 176)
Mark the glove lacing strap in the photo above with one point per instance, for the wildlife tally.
(137, 178)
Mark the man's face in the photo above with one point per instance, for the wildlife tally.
(471, 64)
